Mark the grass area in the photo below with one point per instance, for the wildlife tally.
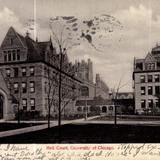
(91, 133)
(10, 126)
(128, 118)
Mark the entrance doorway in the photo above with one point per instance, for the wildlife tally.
(1, 106)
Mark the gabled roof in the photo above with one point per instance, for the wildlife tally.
(35, 50)
(150, 58)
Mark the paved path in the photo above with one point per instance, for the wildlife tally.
(78, 121)
(38, 127)
(131, 122)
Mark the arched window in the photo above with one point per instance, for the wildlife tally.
(110, 108)
(104, 109)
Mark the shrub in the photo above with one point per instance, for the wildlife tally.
(27, 115)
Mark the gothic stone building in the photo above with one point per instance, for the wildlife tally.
(90, 88)
(146, 77)
(24, 64)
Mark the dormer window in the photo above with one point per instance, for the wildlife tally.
(150, 66)
(18, 54)
(14, 55)
(11, 55)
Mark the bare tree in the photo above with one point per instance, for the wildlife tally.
(115, 92)
(69, 32)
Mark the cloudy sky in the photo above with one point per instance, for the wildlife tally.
(141, 31)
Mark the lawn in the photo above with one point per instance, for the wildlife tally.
(10, 126)
(91, 133)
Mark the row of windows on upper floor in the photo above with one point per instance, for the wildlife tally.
(144, 90)
(147, 66)
(150, 78)
(11, 55)
(32, 104)
(23, 71)
(22, 86)
(150, 103)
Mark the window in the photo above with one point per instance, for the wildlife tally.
(143, 91)
(156, 78)
(32, 103)
(24, 87)
(110, 108)
(9, 55)
(31, 71)
(157, 103)
(8, 72)
(104, 109)
(150, 90)
(15, 87)
(14, 55)
(24, 104)
(23, 71)
(5, 57)
(150, 103)
(149, 78)
(139, 66)
(157, 90)
(142, 78)
(143, 103)
(32, 87)
(150, 66)
(15, 72)
(18, 54)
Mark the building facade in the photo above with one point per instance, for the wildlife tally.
(29, 73)
(90, 88)
(146, 82)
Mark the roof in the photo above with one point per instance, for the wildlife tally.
(35, 50)
(155, 49)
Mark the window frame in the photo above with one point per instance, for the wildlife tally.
(32, 73)
(32, 104)
(24, 73)
(24, 88)
(142, 78)
(32, 87)
(16, 88)
(144, 89)
(24, 105)
(150, 90)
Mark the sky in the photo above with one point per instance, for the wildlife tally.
(140, 33)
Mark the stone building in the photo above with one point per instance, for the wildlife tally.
(90, 88)
(146, 78)
(26, 68)
(95, 107)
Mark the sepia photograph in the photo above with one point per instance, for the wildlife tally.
(79, 72)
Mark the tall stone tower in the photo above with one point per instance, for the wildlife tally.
(90, 71)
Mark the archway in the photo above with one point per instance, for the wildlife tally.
(104, 109)
(1, 106)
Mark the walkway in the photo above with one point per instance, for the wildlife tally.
(38, 127)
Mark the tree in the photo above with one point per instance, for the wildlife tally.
(115, 97)
(69, 32)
